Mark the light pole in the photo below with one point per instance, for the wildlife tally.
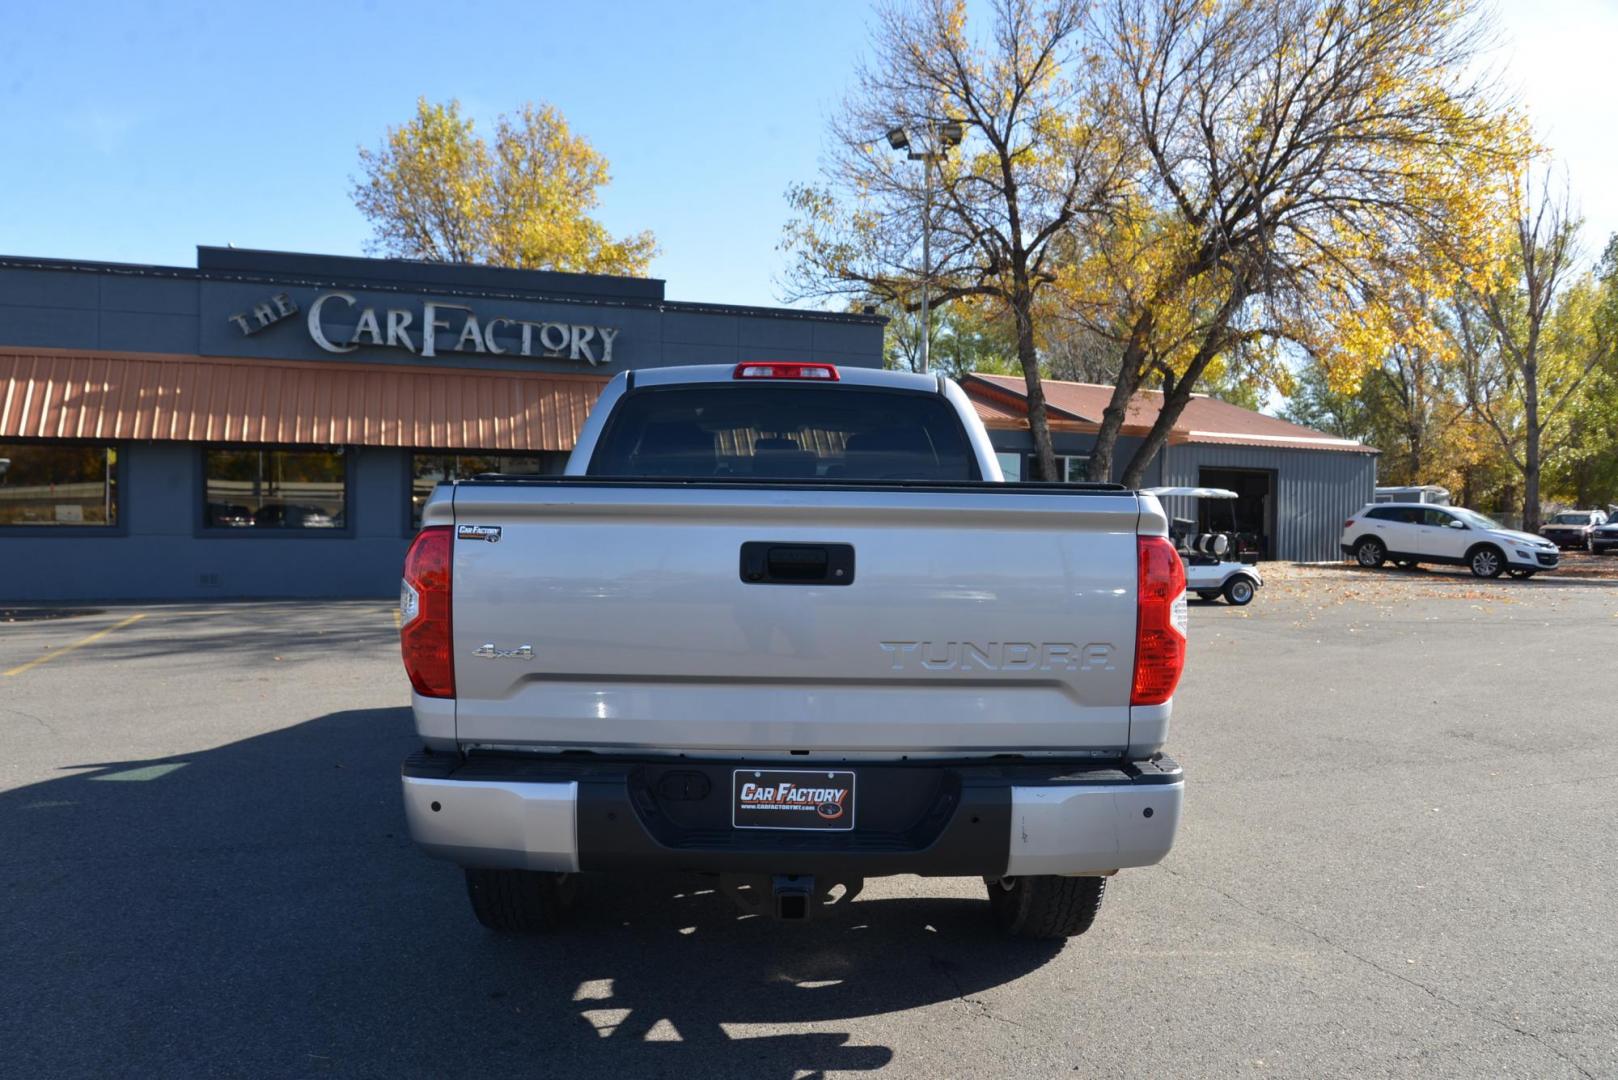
(938, 138)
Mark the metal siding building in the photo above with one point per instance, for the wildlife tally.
(1295, 485)
(267, 424)
(1315, 490)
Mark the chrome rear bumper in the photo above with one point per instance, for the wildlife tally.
(1078, 829)
(524, 826)
(983, 822)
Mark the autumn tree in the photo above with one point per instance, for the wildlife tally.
(1075, 352)
(1532, 332)
(435, 190)
(1410, 405)
(1412, 392)
(1035, 158)
(1412, 387)
(1316, 403)
(1586, 472)
(1294, 153)
(965, 338)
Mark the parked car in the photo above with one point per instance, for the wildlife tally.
(1604, 538)
(289, 516)
(1410, 534)
(229, 516)
(764, 629)
(1572, 528)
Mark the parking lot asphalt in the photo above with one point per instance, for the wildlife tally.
(1397, 858)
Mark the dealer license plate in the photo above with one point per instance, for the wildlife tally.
(802, 799)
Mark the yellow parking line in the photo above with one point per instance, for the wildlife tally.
(79, 644)
(397, 623)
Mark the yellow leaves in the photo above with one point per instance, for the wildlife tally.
(1356, 345)
(438, 191)
(1343, 228)
(435, 152)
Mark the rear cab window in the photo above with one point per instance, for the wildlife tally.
(781, 431)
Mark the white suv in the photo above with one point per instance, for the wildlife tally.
(1414, 533)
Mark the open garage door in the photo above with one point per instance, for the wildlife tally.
(1255, 507)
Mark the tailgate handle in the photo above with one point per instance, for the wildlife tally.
(784, 563)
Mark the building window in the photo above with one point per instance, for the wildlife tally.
(1070, 467)
(259, 488)
(428, 470)
(58, 484)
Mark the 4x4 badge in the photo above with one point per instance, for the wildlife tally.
(491, 533)
(489, 652)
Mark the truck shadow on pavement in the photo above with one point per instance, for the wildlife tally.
(259, 910)
(252, 634)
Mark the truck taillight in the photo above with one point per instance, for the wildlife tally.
(1160, 622)
(424, 604)
(786, 370)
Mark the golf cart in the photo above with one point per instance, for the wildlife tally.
(1213, 563)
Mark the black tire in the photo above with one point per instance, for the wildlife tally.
(519, 901)
(1046, 908)
(1370, 552)
(1486, 561)
(1521, 575)
(1239, 592)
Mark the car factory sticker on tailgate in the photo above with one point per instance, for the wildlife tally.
(782, 799)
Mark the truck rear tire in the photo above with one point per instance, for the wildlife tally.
(519, 901)
(1046, 908)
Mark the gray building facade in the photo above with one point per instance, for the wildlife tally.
(267, 423)
(1306, 495)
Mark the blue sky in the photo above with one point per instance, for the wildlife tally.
(135, 131)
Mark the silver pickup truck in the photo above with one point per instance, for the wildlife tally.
(783, 623)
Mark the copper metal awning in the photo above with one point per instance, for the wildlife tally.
(59, 394)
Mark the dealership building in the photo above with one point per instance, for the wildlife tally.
(268, 424)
